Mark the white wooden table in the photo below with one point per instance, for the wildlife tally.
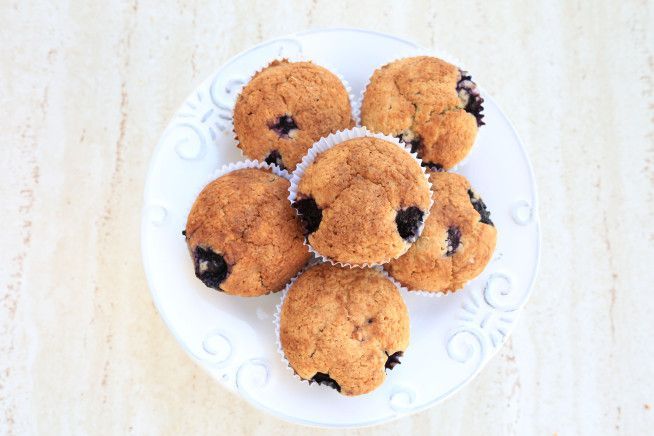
(87, 87)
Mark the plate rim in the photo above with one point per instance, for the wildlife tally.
(295, 420)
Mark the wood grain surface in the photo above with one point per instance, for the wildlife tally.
(86, 88)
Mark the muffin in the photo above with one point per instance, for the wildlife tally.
(363, 201)
(429, 104)
(285, 108)
(456, 244)
(243, 235)
(343, 327)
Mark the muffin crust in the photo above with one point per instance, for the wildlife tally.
(343, 327)
(285, 108)
(243, 235)
(457, 243)
(368, 197)
(429, 104)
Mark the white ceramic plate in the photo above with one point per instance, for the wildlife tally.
(233, 338)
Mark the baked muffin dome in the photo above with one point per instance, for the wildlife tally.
(285, 108)
(428, 103)
(457, 243)
(344, 327)
(243, 235)
(363, 201)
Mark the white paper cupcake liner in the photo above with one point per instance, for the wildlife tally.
(278, 313)
(233, 166)
(277, 322)
(296, 58)
(324, 144)
(408, 291)
(434, 53)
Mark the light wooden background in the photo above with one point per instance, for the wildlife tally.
(86, 88)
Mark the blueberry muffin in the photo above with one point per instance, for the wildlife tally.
(456, 244)
(243, 235)
(285, 108)
(362, 201)
(344, 327)
(431, 105)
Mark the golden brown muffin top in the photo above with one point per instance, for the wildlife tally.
(343, 327)
(286, 107)
(371, 197)
(243, 235)
(457, 243)
(428, 103)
